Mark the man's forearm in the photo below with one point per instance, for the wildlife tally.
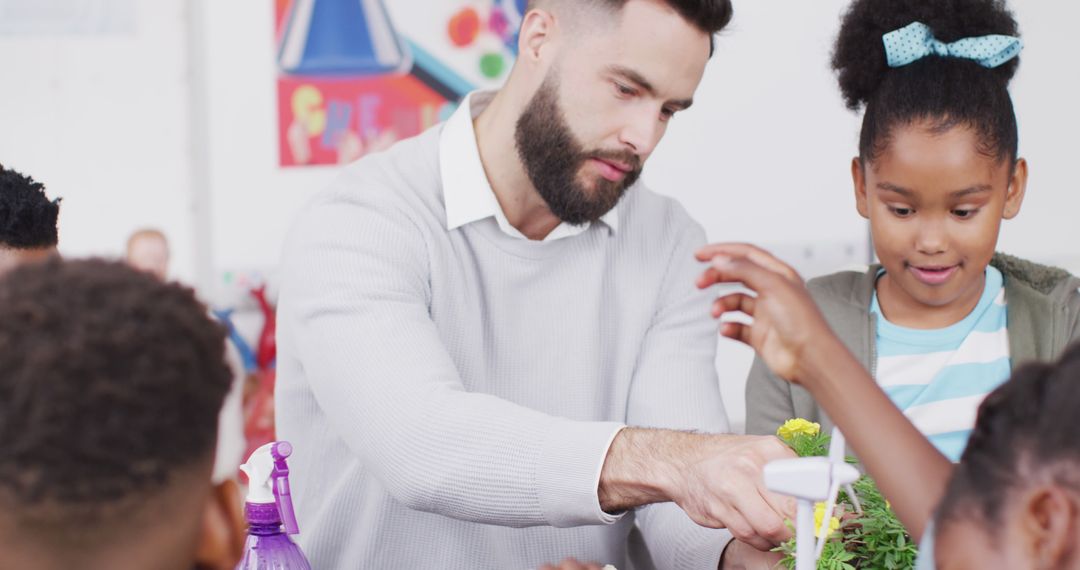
(641, 466)
(906, 466)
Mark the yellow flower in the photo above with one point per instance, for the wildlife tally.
(796, 426)
(819, 514)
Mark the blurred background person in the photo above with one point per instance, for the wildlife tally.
(148, 250)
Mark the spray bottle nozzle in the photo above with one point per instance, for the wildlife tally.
(280, 476)
(268, 481)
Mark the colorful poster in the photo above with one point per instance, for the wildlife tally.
(355, 76)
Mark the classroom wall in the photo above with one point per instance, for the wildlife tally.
(94, 101)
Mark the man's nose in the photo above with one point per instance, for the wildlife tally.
(642, 133)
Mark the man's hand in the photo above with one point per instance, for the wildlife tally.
(741, 556)
(723, 487)
(787, 324)
(571, 564)
(716, 479)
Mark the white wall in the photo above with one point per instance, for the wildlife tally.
(253, 200)
(96, 107)
(1045, 92)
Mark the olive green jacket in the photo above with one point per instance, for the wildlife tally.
(1042, 315)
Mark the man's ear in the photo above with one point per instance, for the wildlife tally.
(221, 540)
(536, 32)
(1049, 525)
(858, 180)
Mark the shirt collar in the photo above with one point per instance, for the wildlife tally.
(467, 194)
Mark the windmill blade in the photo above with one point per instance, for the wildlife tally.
(837, 447)
(830, 506)
(854, 498)
(840, 475)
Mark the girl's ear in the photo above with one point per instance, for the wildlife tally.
(858, 178)
(1049, 525)
(1017, 188)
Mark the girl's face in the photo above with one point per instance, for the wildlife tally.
(935, 205)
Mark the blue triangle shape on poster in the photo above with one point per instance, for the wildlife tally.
(340, 37)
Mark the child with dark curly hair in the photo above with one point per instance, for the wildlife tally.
(943, 319)
(1014, 499)
(27, 220)
(110, 386)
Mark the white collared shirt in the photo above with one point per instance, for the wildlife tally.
(467, 193)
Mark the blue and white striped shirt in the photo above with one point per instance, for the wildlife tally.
(939, 377)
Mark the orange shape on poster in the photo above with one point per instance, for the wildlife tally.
(464, 27)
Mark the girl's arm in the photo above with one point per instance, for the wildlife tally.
(792, 337)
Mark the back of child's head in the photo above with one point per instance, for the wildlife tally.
(946, 91)
(110, 386)
(1025, 435)
(27, 216)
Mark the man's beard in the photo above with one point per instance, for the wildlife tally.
(553, 159)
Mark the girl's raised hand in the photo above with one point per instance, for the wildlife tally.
(787, 326)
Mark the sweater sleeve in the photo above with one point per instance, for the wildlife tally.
(768, 400)
(355, 300)
(1073, 312)
(675, 386)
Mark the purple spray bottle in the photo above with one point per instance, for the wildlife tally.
(269, 506)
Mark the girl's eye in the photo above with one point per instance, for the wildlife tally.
(624, 90)
(964, 214)
(667, 113)
(901, 212)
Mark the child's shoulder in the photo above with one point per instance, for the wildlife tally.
(1054, 282)
(852, 286)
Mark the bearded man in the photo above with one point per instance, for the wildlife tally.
(492, 352)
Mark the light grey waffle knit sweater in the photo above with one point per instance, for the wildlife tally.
(451, 394)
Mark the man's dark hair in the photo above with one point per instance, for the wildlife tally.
(110, 383)
(27, 216)
(1025, 428)
(709, 16)
(946, 91)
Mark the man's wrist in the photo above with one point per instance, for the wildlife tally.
(641, 468)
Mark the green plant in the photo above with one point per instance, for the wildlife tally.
(809, 445)
(874, 539)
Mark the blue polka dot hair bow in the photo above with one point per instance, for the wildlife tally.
(916, 41)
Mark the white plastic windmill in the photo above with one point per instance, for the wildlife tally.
(811, 480)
